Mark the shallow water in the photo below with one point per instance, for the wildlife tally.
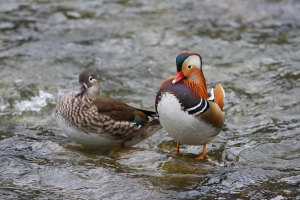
(250, 47)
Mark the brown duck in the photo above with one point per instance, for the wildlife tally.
(92, 120)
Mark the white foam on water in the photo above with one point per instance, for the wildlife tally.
(4, 106)
(35, 103)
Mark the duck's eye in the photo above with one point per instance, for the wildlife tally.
(91, 78)
(190, 66)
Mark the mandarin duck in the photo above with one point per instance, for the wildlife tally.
(187, 112)
(92, 120)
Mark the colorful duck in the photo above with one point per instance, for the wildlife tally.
(186, 110)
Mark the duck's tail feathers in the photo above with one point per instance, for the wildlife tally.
(144, 132)
(151, 115)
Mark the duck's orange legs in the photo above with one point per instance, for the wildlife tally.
(176, 152)
(177, 147)
(203, 154)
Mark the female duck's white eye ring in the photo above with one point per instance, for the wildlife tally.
(91, 78)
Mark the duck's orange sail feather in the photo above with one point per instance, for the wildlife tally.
(219, 96)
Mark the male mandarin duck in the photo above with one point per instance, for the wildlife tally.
(186, 110)
(92, 120)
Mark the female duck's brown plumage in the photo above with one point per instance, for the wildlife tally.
(186, 110)
(92, 120)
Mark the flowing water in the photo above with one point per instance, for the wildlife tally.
(251, 47)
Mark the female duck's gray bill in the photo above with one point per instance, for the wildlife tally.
(81, 89)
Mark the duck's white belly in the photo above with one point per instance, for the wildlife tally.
(180, 125)
(87, 139)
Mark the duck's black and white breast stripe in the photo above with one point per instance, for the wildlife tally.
(189, 101)
(201, 107)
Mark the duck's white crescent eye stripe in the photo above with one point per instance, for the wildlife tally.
(194, 60)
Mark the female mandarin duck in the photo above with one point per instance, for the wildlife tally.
(92, 120)
(186, 110)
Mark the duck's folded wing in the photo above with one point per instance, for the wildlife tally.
(118, 110)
